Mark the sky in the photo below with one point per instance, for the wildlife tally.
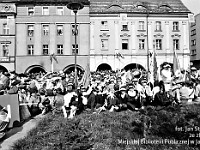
(192, 5)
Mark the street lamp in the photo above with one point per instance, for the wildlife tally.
(75, 6)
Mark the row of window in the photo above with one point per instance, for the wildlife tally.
(45, 49)
(104, 26)
(141, 44)
(46, 30)
(158, 26)
(45, 10)
(104, 46)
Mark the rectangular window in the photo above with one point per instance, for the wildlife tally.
(73, 29)
(30, 30)
(30, 50)
(158, 44)
(73, 48)
(45, 10)
(193, 32)
(45, 30)
(60, 49)
(45, 49)
(124, 44)
(5, 28)
(125, 27)
(104, 25)
(60, 11)
(158, 26)
(193, 42)
(141, 44)
(176, 44)
(5, 50)
(193, 52)
(141, 25)
(104, 44)
(59, 29)
(175, 26)
(30, 11)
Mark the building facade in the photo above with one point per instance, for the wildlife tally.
(195, 42)
(7, 35)
(123, 34)
(45, 28)
(111, 34)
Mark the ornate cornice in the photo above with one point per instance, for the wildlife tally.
(125, 35)
(141, 35)
(104, 35)
(158, 35)
(176, 35)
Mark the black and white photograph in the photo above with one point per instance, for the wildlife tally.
(99, 74)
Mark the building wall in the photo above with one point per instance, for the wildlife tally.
(195, 42)
(52, 40)
(133, 55)
(7, 38)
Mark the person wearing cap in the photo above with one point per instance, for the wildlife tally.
(133, 102)
(147, 97)
(23, 108)
(141, 91)
(162, 98)
(166, 76)
(69, 108)
(14, 87)
(58, 101)
(197, 91)
(34, 102)
(194, 73)
(123, 98)
(92, 99)
(5, 116)
(4, 81)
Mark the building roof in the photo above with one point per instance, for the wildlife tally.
(85, 2)
(138, 6)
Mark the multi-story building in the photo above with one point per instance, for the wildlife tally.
(124, 33)
(195, 42)
(7, 35)
(45, 28)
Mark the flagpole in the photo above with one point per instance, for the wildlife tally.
(52, 67)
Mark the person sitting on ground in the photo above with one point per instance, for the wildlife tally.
(58, 101)
(197, 91)
(162, 98)
(92, 99)
(34, 102)
(5, 116)
(133, 102)
(123, 98)
(187, 92)
(69, 107)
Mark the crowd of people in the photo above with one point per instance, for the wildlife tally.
(106, 91)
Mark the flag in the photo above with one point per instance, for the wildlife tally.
(86, 77)
(119, 56)
(53, 57)
(155, 67)
(176, 65)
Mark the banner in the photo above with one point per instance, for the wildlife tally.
(176, 65)
(85, 81)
